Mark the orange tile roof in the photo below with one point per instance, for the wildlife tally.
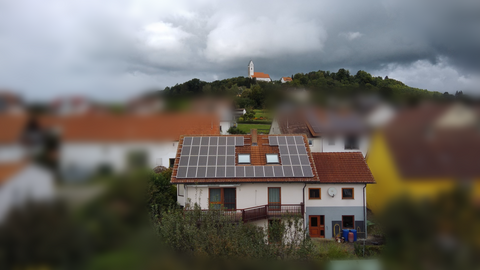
(287, 79)
(257, 158)
(135, 127)
(342, 167)
(8, 170)
(260, 75)
(12, 127)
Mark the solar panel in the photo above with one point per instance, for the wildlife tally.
(212, 150)
(297, 171)
(185, 150)
(268, 171)
(210, 172)
(278, 171)
(287, 170)
(193, 161)
(283, 150)
(187, 141)
(203, 150)
(221, 160)
(231, 150)
(304, 160)
(294, 159)
(202, 160)
(259, 171)
(231, 160)
(290, 140)
(272, 140)
(282, 140)
(231, 141)
(239, 141)
(301, 149)
(285, 160)
(299, 140)
(196, 140)
(183, 161)
(222, 150)
(192, 172)
(240, 171)
(222, 141)
(213, 140)
(205, 140)
(195, 150)
(230, 172)
(249, 171)
(182, 172)
(292, 149)
(307, 171)
(201, 171)
(221, 171)
(212, 160)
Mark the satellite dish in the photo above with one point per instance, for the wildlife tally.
(332, 191)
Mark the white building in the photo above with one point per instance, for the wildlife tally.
(259, 178)
(260, 76)
(286, 79)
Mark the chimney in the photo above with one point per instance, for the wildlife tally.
(253, 132)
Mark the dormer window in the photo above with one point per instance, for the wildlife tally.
(243, 158)
(272, 159)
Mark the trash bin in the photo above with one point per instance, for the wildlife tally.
(345, 235)
(354, 235)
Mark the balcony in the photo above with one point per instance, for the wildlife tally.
(260, 212)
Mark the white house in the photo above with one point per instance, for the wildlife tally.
(260, 76)
(327, 130)
(92, 142)
(286, 79)
(259, 178)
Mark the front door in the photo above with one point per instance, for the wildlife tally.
(317, 226)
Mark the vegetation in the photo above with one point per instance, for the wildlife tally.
(260, 128)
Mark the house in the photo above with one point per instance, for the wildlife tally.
(10, 103)
(262, 178)
(286, 79)
(327, 130)
(223, 108)
(22, 182)
(260, 76)
(423, 152)
(90, 143)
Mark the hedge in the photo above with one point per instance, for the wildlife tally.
(265, 122)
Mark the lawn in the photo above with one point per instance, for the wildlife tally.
(265, 129)
(264, 113)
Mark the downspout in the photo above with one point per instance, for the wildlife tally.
(365, 211)
(304, 208)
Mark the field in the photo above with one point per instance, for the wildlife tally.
(265, 129)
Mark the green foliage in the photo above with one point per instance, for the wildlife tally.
(370, 251)
(330, 250)
(249, 115)
(161, 194)
(260, 128)
(234, 130)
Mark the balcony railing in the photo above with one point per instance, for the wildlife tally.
(260, 212)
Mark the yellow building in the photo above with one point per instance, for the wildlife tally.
(424, 151)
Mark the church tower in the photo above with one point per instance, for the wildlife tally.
(250, 69)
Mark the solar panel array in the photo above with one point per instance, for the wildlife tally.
(214, 157)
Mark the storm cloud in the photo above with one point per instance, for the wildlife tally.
(112, 50)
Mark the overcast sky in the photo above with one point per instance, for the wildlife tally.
(115, 49)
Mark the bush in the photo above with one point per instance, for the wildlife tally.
(234, 130)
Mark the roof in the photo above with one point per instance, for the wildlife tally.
(12, 127)
(323, 121)
(342, 167)
(121, 128)
(8, 170)
(260, 75)
(421, 148)
(293, 123)
(287, 79)
(257, 170)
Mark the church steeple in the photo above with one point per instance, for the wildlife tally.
(250, 69)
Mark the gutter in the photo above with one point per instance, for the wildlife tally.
(205, 186)
(304, 209)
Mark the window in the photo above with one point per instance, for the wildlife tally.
(348, 222)
(225, 197)
(180, 189)
(351, 143)
(314, 194)
(274, 199)
(272, 158)
(310, 142)
(171, 162)
(243, 158)
(347, 193)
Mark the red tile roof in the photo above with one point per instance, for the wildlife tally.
(260, 75)
(287, 79)
(8, 170)
(12, 127)
(342, 167)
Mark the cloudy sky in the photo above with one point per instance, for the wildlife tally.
(115, 49)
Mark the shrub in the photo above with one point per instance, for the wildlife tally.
(234, 130)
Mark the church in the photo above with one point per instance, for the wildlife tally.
(260, 76)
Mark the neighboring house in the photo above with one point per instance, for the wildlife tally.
(68, 106)
(148, 104)
(223, 108)
(261, 178)
(327, 130)
(21, 183)
(260, 76)
(11, 147)
(286, 79)
(10, 103)
(424, 151)
(91, 143)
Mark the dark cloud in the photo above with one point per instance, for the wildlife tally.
(115, 49)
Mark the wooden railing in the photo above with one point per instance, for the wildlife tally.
(260, 212)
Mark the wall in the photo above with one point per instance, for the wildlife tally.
(339, 145)
(334, 215)
(317, 145)
(11, 152)
(264, 79)
(275, 128)
(225, 126)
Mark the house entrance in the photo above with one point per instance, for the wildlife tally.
(317, 226)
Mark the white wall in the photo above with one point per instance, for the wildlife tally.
(339, 145)
(11, 152)
(317, 145)
(225, 127)
(264, 79)
(31, 183)
(327, 200)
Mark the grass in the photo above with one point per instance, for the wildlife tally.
(331, 250)
(264, 113)
(247, 127)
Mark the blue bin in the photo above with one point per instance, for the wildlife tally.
(345, 234)
(354, 235)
